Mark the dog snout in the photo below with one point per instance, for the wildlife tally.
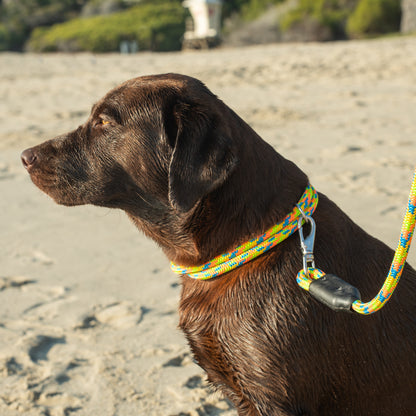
(29, 158)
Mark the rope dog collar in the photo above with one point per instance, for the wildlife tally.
(255, 247)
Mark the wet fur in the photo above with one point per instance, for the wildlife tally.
(199, 181)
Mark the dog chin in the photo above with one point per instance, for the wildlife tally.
(53, 192)
(68, 200)
(66, 203)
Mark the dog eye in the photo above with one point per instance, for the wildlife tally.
(101, 122)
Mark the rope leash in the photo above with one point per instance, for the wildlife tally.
(327, 288)
(339, 295)
(255, 247)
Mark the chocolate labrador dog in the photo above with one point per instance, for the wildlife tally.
(199, 181)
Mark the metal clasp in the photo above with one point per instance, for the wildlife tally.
(307, 243)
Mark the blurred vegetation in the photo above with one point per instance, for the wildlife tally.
(327, 16)
(254, 8)
(99, 25)
(20, 17)
(156, 27)
(96, 25)
(374, 17)
(343, 19)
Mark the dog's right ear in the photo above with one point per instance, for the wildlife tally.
(203, 155)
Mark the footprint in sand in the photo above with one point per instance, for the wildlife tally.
(27, 371)
(48, 303)
(195, 382)
(9, 366)
(42, 258)
(120, 315)
(211, 403)
(180, 361)
(40, 345)
(36, 377)
(14, 282)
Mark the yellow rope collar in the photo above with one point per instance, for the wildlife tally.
(257, 246)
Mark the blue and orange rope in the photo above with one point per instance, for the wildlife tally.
(399, 259)
(304, 279)
(255, 247)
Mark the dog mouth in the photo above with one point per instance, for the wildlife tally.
(49, 181)
(67, 190)
(51, 186)
(71, 183)
(45, 180)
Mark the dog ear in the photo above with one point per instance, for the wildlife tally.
(202, 157)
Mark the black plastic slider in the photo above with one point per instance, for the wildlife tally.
(334, 292)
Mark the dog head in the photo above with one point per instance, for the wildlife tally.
(153, 144)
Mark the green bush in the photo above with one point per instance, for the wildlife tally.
(4, 38)
(346, 18)
(372, 17)
(330, 14)
(19, 17)
(11, 38)
(156, 27)
(254, 8)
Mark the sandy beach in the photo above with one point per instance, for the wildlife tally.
(88, 305)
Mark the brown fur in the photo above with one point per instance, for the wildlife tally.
(199, 181)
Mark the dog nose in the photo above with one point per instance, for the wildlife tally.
(28, 157)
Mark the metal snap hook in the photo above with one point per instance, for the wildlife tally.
(307, 243)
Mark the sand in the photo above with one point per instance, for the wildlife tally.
(88, 305)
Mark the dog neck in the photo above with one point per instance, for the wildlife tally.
(232, 214)
(261, 190)
(256, 246)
